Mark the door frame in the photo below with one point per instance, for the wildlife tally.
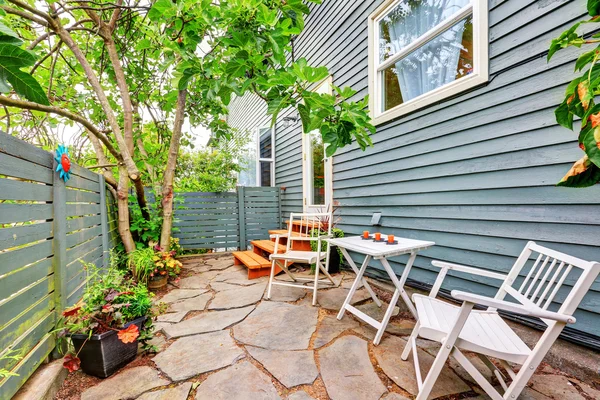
(307, 164)
(259, 159)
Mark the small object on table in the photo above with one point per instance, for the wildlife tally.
(372, 250)
(366, 234)
(378, 236)
(391, 238)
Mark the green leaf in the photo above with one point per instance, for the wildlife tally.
(143, 45)
(563, 116)
(331, 149)
(568, 37)
(236, 68)
(304, 112)
(12, 56)
(26, 86)
(7, 35)
(582, 174)
(593, 7)
(590, 139)
(585, 59)
(162, 9)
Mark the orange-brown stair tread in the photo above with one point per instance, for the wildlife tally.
(268, 246)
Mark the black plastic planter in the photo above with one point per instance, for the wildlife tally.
(334, 260)
(104, 354)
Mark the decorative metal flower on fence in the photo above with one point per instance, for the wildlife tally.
(64, 162)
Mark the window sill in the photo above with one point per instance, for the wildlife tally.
(429, 98)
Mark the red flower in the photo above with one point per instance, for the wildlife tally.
(129, 334)
(71, 362)
(71, 311)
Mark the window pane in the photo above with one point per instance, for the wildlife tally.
(444, 59)
(248, 164)
(265, 173)
(265, 142)
(318, 169)
(411, 19)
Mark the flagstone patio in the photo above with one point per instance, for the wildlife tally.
(221, 339)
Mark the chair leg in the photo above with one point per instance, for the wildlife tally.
(444, 353)
(408, 347)
(316, 286)
(271, 279)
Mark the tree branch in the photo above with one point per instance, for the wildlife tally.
(28, 105)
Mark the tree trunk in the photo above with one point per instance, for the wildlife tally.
(169, 175)
(123, 210)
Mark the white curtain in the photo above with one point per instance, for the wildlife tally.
(435, 63)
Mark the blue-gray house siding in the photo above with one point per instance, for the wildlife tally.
(475, 173)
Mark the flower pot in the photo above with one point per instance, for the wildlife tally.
(334, 260)
(157, 282)
(104, 354)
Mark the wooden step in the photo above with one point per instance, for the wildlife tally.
(278, 232)
(267, 246)
(257, 265)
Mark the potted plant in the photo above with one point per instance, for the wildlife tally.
(335, 254)
(165, 266)
(106, 326)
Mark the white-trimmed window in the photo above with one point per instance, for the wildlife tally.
(265, 168)
(422, 51)
(258, 159)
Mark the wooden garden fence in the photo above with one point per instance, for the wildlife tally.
(47, 228)
(228, 220)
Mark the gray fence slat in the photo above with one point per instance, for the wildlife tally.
(11, 189)
(19, 303)
(83, 222)
(242, 222)
(29, 339)
(24, 277)
(19, 148)
(78, 196)
(76, 210)
(19, 168)
(82, 183)
(80, 250)
(23, 256)
(10, 213)
(20, 235)
(84, 173)
(83, 235)
(104, 215)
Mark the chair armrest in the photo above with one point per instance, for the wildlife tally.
(446, 266)
(468, 270)
(512, 307)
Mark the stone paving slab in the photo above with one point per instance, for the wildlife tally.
(332, 299)
(193, 282)
(242, 381)
(236, 275)
(207, 322)
(172, 317)
(300, 395)
(127, 384)
(396, 396)
(398, 328)
(194, 355)
(197, 303)
(556, 387)
(403, 372)
(347, 371)
(286, 293)
(291, 368)
(330, 328)
(374, 311)
(180, 294)
(278, 326)
(238, 296)
(175, 393)
(220, 264)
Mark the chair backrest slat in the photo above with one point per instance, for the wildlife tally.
(546, 277)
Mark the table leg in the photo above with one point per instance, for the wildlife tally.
(355, 285)
(364, 281)
(399, 284)
(386, 317)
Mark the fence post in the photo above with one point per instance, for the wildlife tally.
(241, 217)
(104, 222)
(279, 207)
(59, 242)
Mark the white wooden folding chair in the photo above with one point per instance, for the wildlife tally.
(314, 227)
(484, 332)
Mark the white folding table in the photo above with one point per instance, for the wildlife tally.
(379, 251)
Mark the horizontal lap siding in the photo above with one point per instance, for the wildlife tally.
(475, 173)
